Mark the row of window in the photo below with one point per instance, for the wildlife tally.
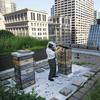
(39, 33)
(38, 24)
(39, 29)
(39, 17)
(21, 16)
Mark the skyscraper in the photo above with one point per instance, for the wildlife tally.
(7, 6)
(94, 35)
(53, 10)
(97, 14)
(82, 14)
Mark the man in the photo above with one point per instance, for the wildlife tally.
(51, 60)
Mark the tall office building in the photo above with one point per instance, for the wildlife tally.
(53, 10)
(60, 29)
(7, 6)
(94, 35)
(96, 16)
(82, 14)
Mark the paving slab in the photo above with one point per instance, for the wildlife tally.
(46, 67)
(97, 75)
(54, 98)
(90, 83)
(40, 70)
(65, 91)
(79, 81)
(83, 90)
(95, 78)
(88, 74)
(78, 95)
(95, 70)
(72, 98)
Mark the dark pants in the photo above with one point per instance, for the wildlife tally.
(52, 64)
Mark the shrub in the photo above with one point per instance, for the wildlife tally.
(5, 34)
(15, 43)
(11, 93)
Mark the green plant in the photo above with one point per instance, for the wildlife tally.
(5, 34)
(11, 93)
(94, 93)
(83, 63)
(11, 44)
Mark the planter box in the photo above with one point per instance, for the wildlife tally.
(6, 59)
(5, 62)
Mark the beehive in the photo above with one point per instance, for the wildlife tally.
(24, 68)
(64, 59)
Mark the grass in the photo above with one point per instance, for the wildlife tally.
(83, 63)
(95, 93)
(11, 44)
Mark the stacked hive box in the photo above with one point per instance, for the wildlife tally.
(24, 68)
(64, 58)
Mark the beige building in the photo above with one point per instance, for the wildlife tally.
(28, 22)
(2, 24)
(7, 6)
(82, 14)
(60, 29)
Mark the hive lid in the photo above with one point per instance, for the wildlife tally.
(22, 53)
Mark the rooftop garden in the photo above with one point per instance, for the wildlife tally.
(10, 43)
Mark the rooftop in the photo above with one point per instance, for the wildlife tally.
(26, 9)
(48, 89)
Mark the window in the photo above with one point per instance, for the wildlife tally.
(25, 15)
(44, 17)
(34, 24)
(39, 17)
(31, 24)
(32, 16)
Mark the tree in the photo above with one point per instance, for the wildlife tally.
(5, 33)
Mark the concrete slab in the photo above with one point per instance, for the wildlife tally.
(88, 74)
(83, 90)
(95, 70)
(72, 98)
(91, 83)
(40, 70)
(78, 95)
(46, 67)
(78, 83)
(54, 98)
(65, 91)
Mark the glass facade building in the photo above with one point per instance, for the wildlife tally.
(53, 10)
(94, 36)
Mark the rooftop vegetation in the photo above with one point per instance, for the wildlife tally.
(94, 94)
(10, 43)
(11, 93)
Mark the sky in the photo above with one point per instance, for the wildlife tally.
(44, 4)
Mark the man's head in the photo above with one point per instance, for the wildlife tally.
(52, 43)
